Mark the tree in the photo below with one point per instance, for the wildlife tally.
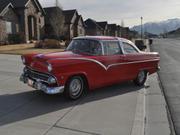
(56, 21)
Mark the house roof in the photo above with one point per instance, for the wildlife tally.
(18, 4)
(3, 4)
(112, 26)
(92, 24)
(68, 14)
(79, 18)
(102, 24)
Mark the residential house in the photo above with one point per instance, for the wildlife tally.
(21, 16)
(92, 28)
(119, 31)
(112, 30)
(79, 26)
(134, 34)
(7, 17)
(104, 26)
(125, 32)
(74, 25)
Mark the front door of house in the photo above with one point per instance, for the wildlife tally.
(32, 28)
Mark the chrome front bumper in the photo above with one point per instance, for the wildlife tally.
(39, 85)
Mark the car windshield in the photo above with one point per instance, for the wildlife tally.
(84, 46)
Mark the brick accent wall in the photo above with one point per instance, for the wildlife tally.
(3, 34)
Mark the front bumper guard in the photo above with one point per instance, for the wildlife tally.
(38, 84)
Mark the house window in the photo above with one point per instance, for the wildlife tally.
(9, 27)
(17, 28)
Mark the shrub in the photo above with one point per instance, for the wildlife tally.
(14, 38)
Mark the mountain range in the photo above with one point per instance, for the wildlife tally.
(159, 27)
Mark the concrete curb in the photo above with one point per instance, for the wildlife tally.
(139, 122)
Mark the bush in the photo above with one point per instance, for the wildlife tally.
(48, 43)
(14, 38)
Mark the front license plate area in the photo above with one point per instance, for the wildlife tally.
(30, 82)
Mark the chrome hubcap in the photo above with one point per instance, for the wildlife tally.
(75, 87)
(141, 76)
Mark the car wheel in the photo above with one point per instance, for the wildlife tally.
(141, 78)
(75, 87)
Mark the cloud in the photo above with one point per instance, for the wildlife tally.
(116, 10)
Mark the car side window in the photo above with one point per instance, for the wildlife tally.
(129, 49)
(95, 48)
(90, 47)
(111, 48)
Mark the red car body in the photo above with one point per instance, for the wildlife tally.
(98, 70)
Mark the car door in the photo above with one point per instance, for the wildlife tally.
(132, 58)
(112, 60)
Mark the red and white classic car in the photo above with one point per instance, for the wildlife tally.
(88, 63)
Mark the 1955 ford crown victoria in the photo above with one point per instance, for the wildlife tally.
(89, 62)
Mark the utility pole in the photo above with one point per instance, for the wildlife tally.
(141, 27)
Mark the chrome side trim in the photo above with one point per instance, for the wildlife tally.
(109, 66)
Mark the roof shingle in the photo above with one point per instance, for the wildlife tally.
(17, 4)
(102, 24)
(3, 4)
(68, 14)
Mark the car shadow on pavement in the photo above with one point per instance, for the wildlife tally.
(31, 104)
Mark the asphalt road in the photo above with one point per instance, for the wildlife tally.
(169, 50)
(116, 110)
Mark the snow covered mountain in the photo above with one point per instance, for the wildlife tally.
(159, 27)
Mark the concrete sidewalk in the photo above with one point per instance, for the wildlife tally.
(157, 122)
(156, 119)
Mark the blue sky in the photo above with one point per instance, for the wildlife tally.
(130, 11)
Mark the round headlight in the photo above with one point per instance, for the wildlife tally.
(49, 67)
(23, 59)
(51, 80)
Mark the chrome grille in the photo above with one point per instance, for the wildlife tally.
(37, 75)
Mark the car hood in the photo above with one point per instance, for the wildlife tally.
(51, 56)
